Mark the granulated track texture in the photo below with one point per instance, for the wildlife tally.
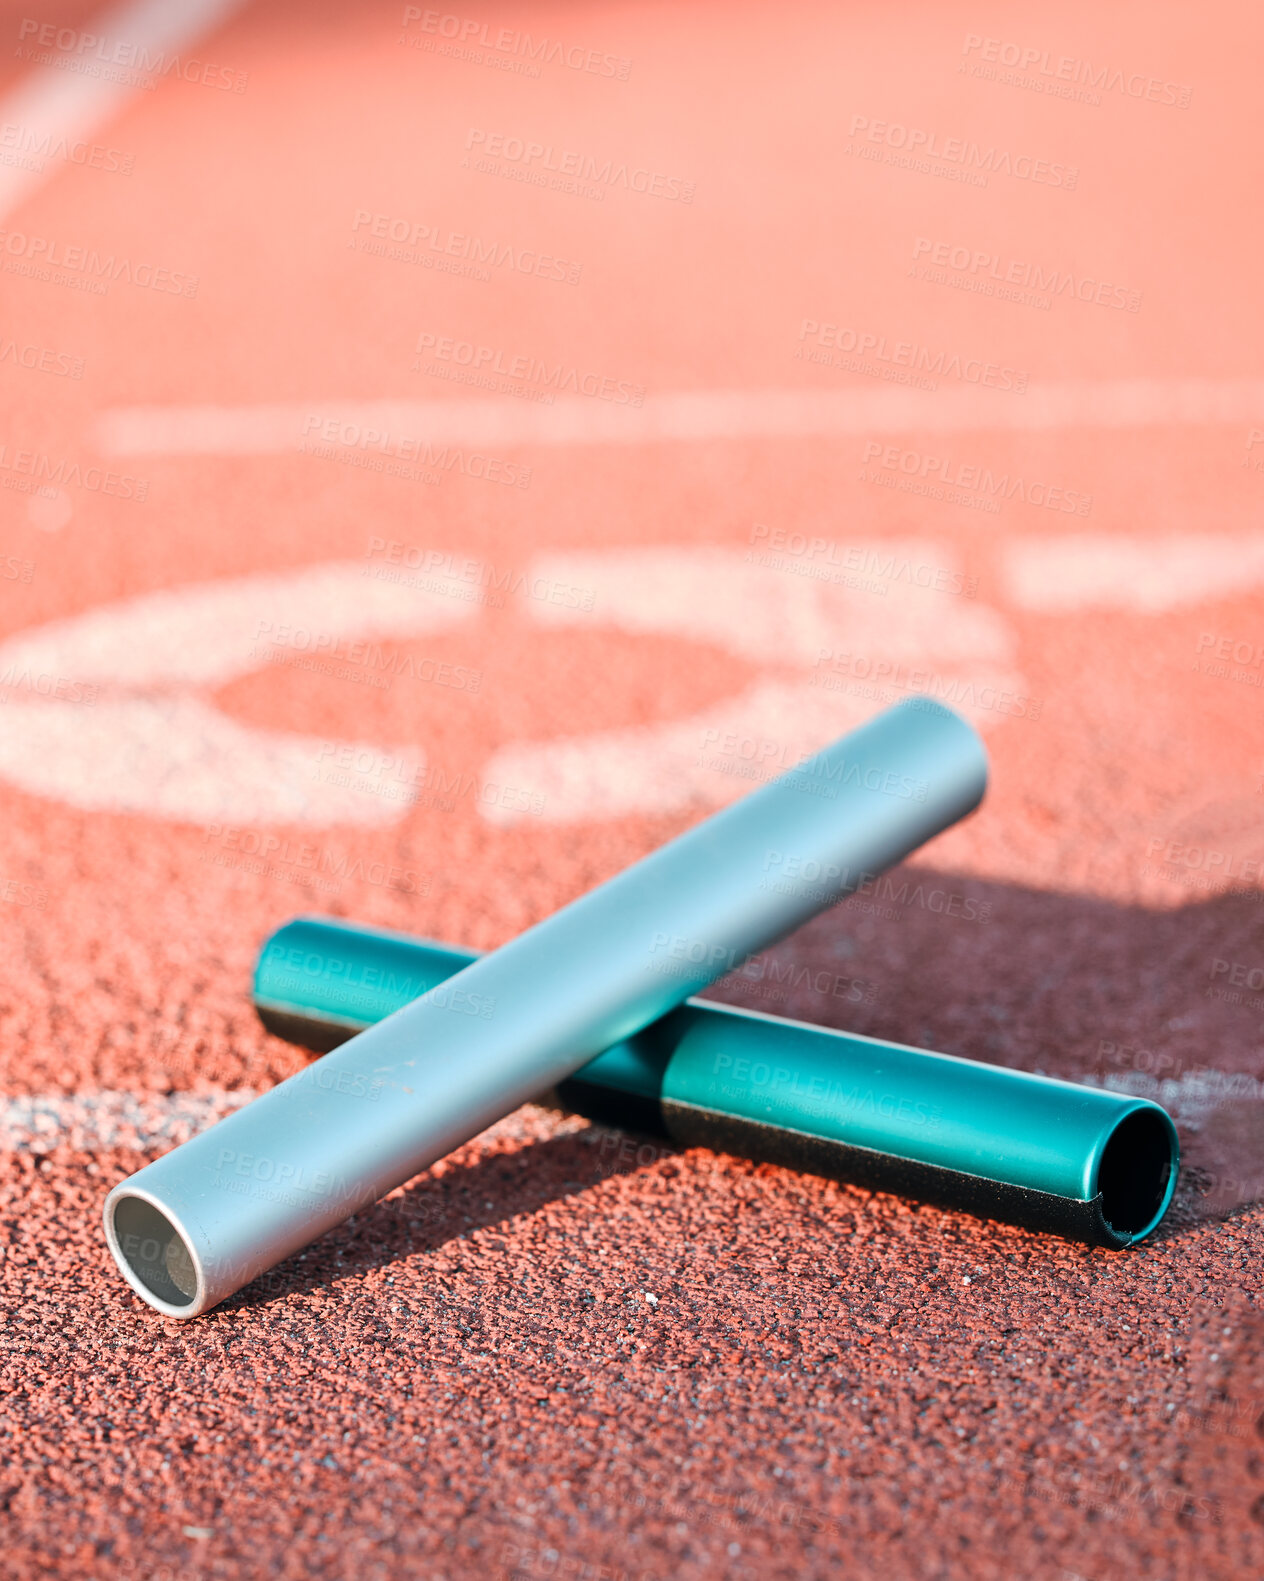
(911, 360)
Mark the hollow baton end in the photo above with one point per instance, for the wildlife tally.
(155, 1253)
(1133, 1176)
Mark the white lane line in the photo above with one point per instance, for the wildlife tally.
(92, 1121)
(1188, 1098)
(89, 1122)
(275, 429)
(831, 651)
(154, 742)
(207, 633)
(180, 758)
(1148, 576)
(901, 597)
(55, 104)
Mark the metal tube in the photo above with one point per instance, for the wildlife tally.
(1050, 1155)
(213, 1214)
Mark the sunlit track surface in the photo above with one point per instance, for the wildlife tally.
(442, 455)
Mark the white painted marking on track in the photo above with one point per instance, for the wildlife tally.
(89, 1122)
(153, 743)
(208, 633)
(1190, 1097)
(92, 1121)
(897, 594)
(70, 101)
(1061, 575)
(687, 415)
(891, 635)
(178, 757)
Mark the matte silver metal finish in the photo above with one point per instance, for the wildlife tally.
(213, 1214)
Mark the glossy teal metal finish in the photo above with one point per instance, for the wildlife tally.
(349, 976)
(997, 1140)
(1004, 1125)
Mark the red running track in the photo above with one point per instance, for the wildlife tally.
(436, 470)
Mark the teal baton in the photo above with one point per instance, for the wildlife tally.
(1050, 1155)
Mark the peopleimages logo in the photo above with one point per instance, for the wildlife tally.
(1240, 975)
(265, 852)
(795, 873)
(1231, 649)
(820, 1092)
(826, 560)
(15, 893)
(1057, 68)
(486, 364)
(37, 145)
(1222, 865)
(92, 55)
(41, 683)
(469, 34)
(806, 771)
(918, 147)
(282, 1177)
(372, 663)
(837, 668)
(43, 257)
(545, 160)
(30, 471)
(381, 445)
(435, 247)
(971, 475)
(902, 359)
(41, 359)
(443, 571)
(980, 263)
(13, 568)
